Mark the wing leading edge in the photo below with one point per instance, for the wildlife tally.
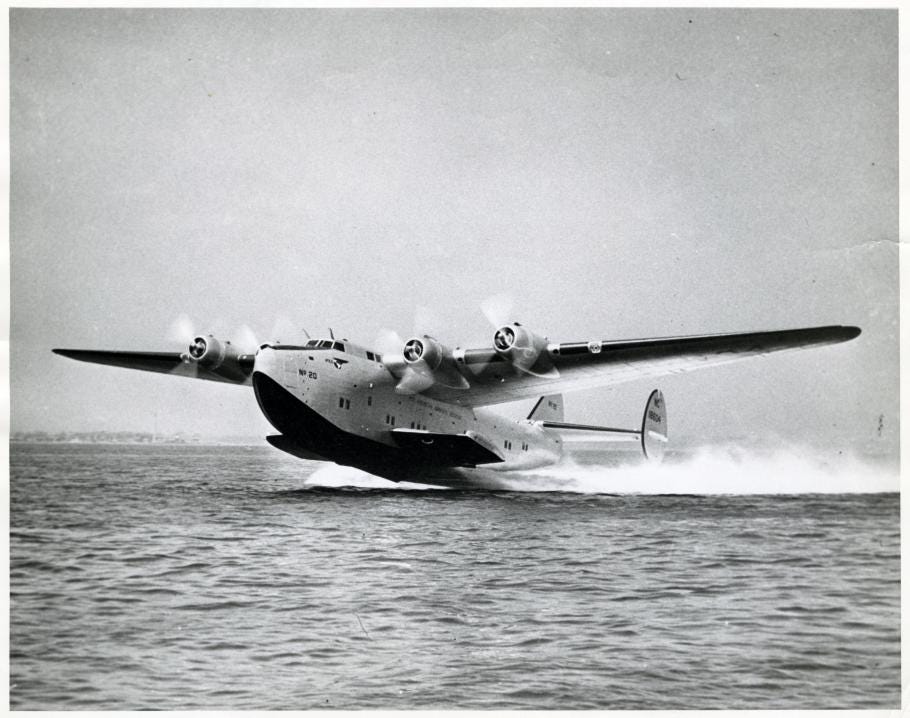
(161, 362)
(585, 365)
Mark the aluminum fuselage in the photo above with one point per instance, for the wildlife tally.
(342, 406)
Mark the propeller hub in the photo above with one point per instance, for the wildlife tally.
(504, 339)
(198, 347)
(413, 350)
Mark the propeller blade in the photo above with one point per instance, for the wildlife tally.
(551, 373)
(187, 368)
(389, 346)
(526, 358)
(181, 330)
(498, 309)
(453, 380)
(388, 342)
(245, 339)
(414, 381)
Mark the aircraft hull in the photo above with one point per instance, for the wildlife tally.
(305, 433)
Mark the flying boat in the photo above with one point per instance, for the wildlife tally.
(417, 410)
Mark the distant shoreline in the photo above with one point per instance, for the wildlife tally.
(131, 439)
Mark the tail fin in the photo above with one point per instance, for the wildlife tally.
(654, 426)
(548, 408)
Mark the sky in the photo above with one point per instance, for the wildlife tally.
(621, 173)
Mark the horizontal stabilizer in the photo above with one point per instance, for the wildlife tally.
(614, 434)
(440, 449)
(652, 435)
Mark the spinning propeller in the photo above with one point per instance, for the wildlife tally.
(224, 357)
(526, 350)
(422, 361)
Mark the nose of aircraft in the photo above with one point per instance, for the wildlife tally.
(273, 381)
(265, 360)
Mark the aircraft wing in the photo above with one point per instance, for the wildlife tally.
(585, 365)
(162, 362)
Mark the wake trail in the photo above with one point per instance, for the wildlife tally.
(707, 471)
(713, 471)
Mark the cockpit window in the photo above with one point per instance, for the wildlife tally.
(324, 344)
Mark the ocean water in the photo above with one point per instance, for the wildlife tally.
(237, 577)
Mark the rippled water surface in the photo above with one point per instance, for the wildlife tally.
(216, 577)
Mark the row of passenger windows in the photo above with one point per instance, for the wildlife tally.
(344, 403)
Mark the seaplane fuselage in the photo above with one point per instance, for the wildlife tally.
(336, 401)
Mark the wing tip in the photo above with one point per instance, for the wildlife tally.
(77, 354)
(830, 334)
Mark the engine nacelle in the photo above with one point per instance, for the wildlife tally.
(220, 358)
(426, 350)
(520, 346)
(427, 362)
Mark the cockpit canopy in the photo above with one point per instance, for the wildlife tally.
(324, 344)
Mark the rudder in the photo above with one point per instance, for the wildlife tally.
(548, 408)
(654, 427)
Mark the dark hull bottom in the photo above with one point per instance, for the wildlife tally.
(308, 435)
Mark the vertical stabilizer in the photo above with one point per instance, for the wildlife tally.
(654, 427)
(548, 408)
